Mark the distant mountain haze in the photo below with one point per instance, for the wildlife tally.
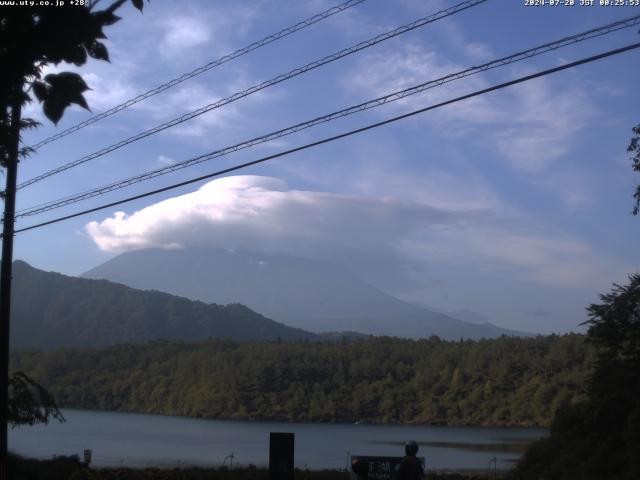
(469, 316)
(50, 310)
(463, 314)
(304, 293)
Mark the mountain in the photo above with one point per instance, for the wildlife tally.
(463, 314)
(51, 310)
(310, 294)
(469, 316)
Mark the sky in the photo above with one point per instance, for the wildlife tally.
(516, 204)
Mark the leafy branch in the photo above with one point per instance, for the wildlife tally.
(30, 402)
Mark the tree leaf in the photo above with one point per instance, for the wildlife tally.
(105, 17)
(78, 56)
(98, 51)
(40, 90)
(65, 88)
(54, 108)
(66, 81)
(139, 4)
(80, 100)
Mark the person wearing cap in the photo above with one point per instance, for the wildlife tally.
(410, 467)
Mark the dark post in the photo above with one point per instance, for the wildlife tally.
(281, 454)
(5, 273)
(87, 456)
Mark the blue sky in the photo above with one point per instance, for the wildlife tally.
(515, 204)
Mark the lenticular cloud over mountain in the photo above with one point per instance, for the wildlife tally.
(400, 245)
(263, 213)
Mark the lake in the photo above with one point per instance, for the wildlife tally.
(138, 440)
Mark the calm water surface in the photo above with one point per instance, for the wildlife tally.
(142, 440)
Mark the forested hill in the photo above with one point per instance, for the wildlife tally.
(505, 381)
(50, 310)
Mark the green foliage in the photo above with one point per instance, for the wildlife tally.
(29, 402)
(505, 381)
(57, 92)
(38, 35)
(599, 437)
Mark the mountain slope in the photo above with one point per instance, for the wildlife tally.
(468, 316)
(51, 310)
(309, 294)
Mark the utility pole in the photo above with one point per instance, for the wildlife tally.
(494, 460)
(6, 268)
(230, 457)
(30, 47)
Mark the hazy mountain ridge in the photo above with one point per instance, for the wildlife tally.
(469, 316)
(51, 310)
(309, 294)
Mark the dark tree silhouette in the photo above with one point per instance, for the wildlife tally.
(32, 37)
(634, 148)
(599, 438)
(30, 403)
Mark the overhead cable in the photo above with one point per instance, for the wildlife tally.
(215, 63)
(339, 136)
(391, 97)
(261, 86)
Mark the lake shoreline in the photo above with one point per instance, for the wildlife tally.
(143, 440)
(336, 422)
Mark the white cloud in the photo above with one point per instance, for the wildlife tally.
(510, 252)
(354, 23)
(552, 260)
(430, 186)
(183, 33)
(544, 124)
(572, 188)
(164, 160)
(531, 126)
(245, 211)
(227, 121)
(264, 213)
(479, 52)
(108, 90)
(214, 31)
(187, 99)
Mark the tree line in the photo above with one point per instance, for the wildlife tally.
(502, 382)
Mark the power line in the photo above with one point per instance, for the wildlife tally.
(342, 135)
(215, 63)
(516, 57)
(276, 80)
